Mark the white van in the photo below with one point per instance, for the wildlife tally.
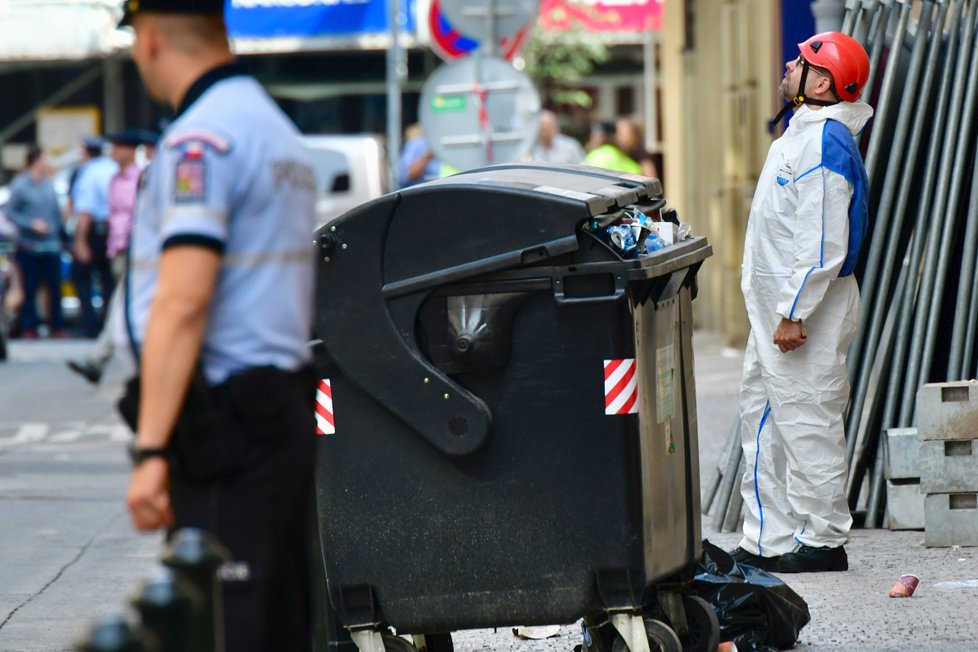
(350, 170)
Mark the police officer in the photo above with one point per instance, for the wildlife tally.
(219, 311)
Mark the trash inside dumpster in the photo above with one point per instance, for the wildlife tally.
(507, 414)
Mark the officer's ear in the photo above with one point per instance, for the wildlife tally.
(148, 37)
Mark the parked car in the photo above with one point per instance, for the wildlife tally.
(350, 170)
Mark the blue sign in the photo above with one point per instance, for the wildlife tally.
(311, 18)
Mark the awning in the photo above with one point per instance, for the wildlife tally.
(59, 30)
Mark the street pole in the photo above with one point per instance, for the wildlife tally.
(396, 72)
(651, 108)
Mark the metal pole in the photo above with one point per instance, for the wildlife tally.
(875, 144)
(878, 31)
(864, 20)
(930, 219)
(112, 96)
(852, 11)
(893, 226)
(732, 518)
(918, 238)
(730, 482)
(950, 202)
(829, 15)
(733, 440)
(651, 96)
(881, 369)
(967, 371)
(956, 365)
(396, 71)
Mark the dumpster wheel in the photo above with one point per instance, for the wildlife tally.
(397, 644)
(703, 634)
(661, 638)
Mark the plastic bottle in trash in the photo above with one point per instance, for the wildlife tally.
(652, 244)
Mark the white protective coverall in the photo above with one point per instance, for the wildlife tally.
(798, 261)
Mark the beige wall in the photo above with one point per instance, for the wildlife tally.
(717, 99)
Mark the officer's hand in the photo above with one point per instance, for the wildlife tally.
(790, 335)
(40, 226)
(148, 499)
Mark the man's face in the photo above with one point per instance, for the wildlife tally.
(792, 77)
(547, 130)
(124, 155)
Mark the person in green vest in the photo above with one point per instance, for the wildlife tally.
(606, 154)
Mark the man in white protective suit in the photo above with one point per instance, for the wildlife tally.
(807, 223)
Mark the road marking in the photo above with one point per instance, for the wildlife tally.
(59, 434)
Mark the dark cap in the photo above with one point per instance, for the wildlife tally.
(93, 144)
(132, 7)
(148, 137)
(127, 137)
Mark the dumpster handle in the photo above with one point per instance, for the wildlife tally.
(559, 285)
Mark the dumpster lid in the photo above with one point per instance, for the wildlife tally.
(500, 217)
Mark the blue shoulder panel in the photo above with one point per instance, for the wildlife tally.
(840, 154)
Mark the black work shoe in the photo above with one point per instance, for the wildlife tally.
(814, 560)
(90, 371)
(741, 556)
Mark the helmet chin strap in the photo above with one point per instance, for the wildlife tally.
(799, 97)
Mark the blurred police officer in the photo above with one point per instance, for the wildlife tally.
(219, 310)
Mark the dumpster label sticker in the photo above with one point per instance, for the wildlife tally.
(324, 408)
(670, 440)
(665, 377)
(620, 387)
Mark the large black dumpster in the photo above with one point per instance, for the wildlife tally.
(476, 338)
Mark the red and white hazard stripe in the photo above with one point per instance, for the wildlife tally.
(620, 387)
(324, 408)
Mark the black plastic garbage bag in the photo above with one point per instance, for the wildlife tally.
(756, 610)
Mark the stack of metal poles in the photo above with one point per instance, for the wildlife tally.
(919, 273)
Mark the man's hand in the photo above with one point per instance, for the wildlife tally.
(147, 498)
(82, 252)
(790, 335)
(40, 226)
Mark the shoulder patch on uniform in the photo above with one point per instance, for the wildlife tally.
(217, 143)
(190, 176)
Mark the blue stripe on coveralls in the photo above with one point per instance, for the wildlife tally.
(821, 257)
(757, 491)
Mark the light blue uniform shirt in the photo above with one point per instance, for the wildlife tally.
(231, 174)
(90, 194)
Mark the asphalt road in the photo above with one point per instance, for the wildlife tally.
(67, 553)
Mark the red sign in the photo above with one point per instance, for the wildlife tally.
(602, 15)
(451, 44)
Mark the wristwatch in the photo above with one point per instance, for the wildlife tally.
(139, 454)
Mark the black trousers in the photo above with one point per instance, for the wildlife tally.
(83, 276)
(257, 503)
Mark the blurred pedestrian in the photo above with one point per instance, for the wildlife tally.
(600, 134)
(33, 207)
(219, 303)
(629, 138)
(418, 162)
(608, 154)
(553, 146)
(90, 202)
(122, 201)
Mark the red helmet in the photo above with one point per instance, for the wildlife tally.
(842, 56)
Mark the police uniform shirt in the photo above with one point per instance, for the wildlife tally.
(231, 174)
(90, 194)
